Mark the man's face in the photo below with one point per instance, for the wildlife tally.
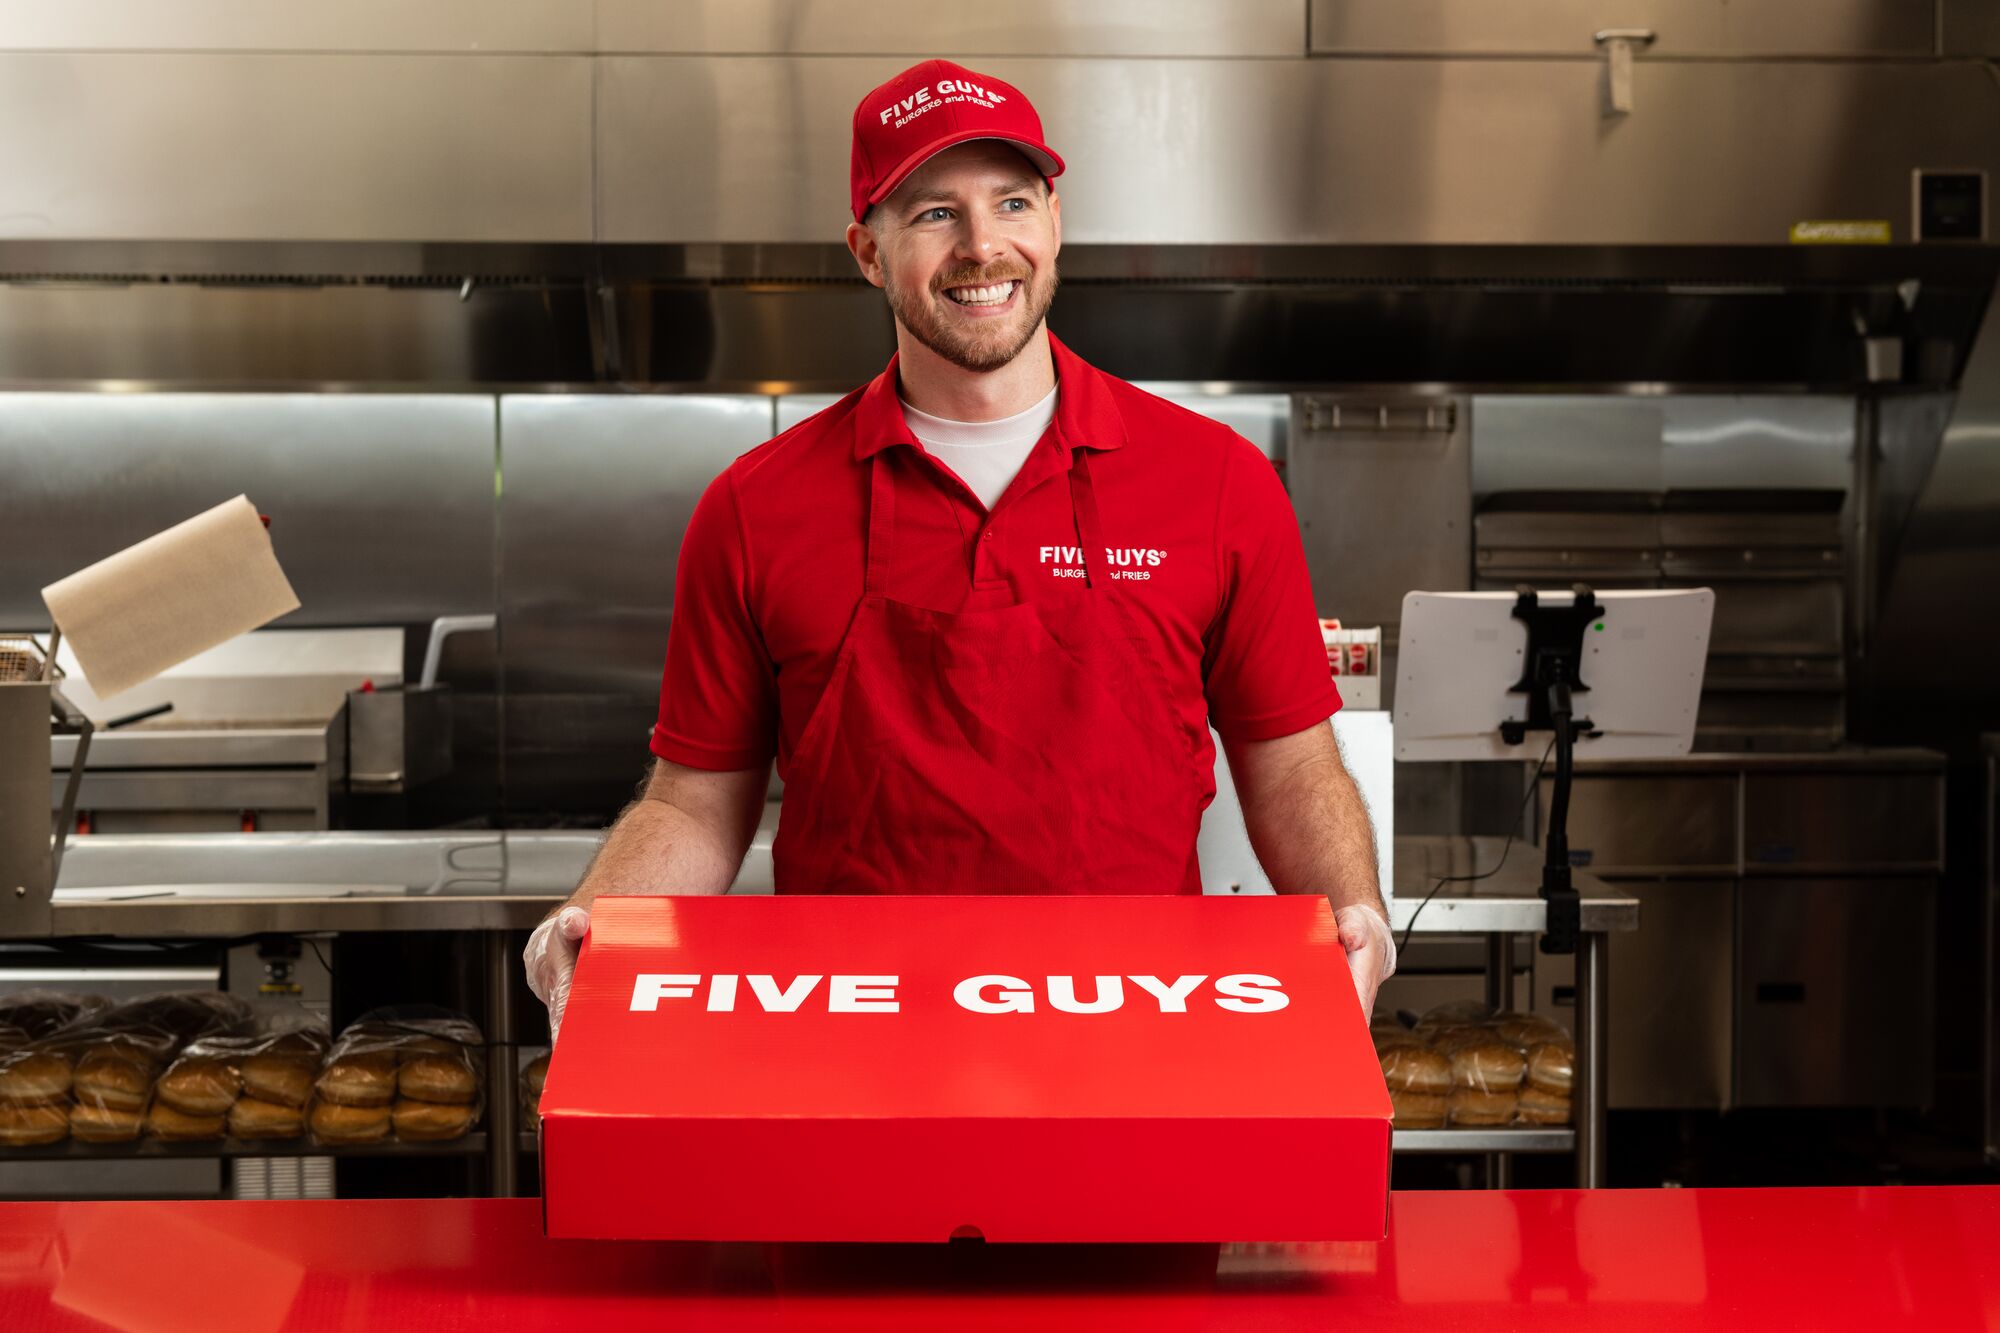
(966, 250)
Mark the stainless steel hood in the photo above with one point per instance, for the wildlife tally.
(1274, 191)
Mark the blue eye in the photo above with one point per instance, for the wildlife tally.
(1017, 205)
(933, 215)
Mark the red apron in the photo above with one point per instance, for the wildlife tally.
(1023, 748)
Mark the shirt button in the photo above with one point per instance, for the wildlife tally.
(986, 536)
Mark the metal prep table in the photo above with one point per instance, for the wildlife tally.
(494, 884)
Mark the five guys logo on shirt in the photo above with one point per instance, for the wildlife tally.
(1239, 992)
(1126, 562)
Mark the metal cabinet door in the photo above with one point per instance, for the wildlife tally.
(1672, 986)
(1833, 992)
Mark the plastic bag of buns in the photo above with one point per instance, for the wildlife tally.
(1549, 1067)
(250, 1086)
(99, 1068)
(34, 1076)
(409, 1071)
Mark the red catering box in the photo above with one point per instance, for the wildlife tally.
(917, 1068)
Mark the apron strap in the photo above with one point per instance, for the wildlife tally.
(881, 527)
(1089, 531)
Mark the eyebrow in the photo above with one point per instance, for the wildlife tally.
(933, 195)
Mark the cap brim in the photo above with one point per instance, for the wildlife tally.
(1043, 158)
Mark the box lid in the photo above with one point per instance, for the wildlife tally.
(1043, 1066)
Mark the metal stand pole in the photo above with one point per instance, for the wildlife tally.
(1500, 971)
(503, 1125)
(1588, 1095)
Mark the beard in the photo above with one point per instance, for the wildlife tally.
(981, 345)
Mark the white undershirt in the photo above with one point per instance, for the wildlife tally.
(986, 455)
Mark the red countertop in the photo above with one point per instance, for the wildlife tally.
(1822, 1259)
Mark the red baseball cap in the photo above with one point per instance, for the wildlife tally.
(927, 109)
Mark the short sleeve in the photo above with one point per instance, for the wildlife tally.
(718, 695)
(1264, 666)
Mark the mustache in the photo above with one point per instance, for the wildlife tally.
(980, 278)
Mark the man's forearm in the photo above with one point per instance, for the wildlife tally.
(1307, 821)
(655, 847)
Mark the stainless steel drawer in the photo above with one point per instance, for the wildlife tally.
(1843, 823)
(1652, 824)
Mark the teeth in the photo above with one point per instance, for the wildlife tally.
(993, 295)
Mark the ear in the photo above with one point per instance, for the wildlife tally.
(867, 252)
(1055, 215)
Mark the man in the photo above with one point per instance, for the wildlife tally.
(983, 609)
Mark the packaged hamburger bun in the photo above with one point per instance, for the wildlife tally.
(164, 1122)
(252, 1118)
(1418, 1110)
(275, 1063)
(1487, 1065)
(1552, 1066)
(338, 1125)
(94, 1123)
(28, 1126)
(1525, 1030)
(31, 1077)
(1476, 1107)
(1536, 1107)
(1454, 1014)
(1416, 1069)
(398, 1062)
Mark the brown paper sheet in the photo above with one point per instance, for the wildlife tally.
(132, 615)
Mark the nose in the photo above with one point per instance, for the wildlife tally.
(979, 240)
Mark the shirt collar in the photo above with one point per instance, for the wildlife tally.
(1086, 415)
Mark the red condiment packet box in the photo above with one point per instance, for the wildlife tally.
(1045, 1069)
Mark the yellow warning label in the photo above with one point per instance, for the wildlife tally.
(1841, 233)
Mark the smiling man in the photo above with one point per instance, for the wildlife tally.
(983, 609)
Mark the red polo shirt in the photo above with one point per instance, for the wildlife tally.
(1202, 535)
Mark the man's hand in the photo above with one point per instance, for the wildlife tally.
(1371, 950)
(551, 960)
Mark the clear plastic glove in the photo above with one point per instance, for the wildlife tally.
(551, 960)
(1371, 949)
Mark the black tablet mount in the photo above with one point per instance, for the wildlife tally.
(1551, 673)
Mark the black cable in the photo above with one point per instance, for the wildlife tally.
(314, 944)
(1505, 847)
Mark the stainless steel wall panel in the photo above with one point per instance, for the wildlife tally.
(1742, 441)
(381, 504)
(255, 25)
(974, 33)
(597, 493)
(1542, 442)
(295, 147)
(1270, 152)
(183, 334)
(1531, 442)
(1566, 27)
(1381, 512)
